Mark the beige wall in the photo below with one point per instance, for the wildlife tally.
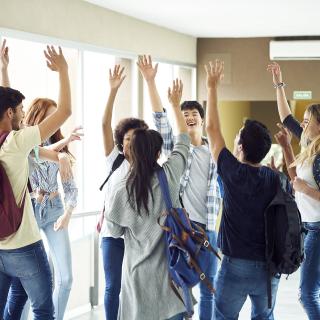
(267, 113)
(246, 76)
(79, 21)
(230, 125)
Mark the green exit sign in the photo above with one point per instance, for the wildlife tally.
(302, 95)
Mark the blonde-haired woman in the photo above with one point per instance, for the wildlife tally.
(307, 188)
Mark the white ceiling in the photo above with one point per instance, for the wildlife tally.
(225, 18)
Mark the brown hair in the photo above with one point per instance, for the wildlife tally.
(37, 113)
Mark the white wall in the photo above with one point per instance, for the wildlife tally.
(79, 21)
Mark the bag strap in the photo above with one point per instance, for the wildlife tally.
(3, 137)
(116, 164)
(270, 244)
(164, 188)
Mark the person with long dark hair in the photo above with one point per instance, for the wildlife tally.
(136, 205)
(116, 146)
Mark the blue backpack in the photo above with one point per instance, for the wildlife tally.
(188, 249)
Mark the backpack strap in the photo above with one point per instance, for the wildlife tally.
(3, 137)
(116, 164)
(316, 170)
(164, 188)
(270, 239)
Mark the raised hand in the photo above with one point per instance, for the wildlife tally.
(115, 77)
(175, 93)
(147, 70)
(283, 137)
(55, 60)
(214, 73)
(272, 165)
(274, 68)
(4, 55)
(75, 134)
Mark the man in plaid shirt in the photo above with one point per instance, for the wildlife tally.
(199, 186)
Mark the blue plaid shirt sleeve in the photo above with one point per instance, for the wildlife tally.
(164, 128)
(70, 193)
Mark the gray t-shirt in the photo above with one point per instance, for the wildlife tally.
(195, 195)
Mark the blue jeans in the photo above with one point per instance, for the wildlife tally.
(60, 252)
(237, 279)
(206, 304)
(112, 254)
(310, 272)
(30, 265)
(17, 298)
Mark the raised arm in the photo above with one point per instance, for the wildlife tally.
(4, 62)
(75, 135)
(149, 73)
(48, 155)
(216, 141)
(57, 62)
(283, 137)
(174, 96)
(115, 80)
(177, 160)
(283, 106)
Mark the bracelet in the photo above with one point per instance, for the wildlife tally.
(279, 85)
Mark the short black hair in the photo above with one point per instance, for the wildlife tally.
(192, 104)
(9, 98)
(124, 126)
(255, 139)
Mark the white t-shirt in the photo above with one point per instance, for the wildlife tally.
(14, 158)
(309, 207)
(115, 178)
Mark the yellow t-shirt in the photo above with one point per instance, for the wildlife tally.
(14, 158)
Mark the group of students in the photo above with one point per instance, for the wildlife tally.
(202, 174)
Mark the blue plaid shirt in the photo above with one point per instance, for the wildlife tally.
(43, 175)
(213, 194)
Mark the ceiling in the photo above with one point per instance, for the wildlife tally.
(225, 18)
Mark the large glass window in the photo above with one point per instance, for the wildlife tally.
(95, 93)
(89, 72)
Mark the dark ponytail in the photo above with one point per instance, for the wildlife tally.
(145, 147)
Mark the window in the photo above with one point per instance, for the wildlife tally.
(89, 72)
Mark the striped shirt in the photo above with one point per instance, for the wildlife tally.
(44, 177)
(213, 197)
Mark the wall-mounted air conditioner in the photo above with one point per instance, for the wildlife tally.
(294, 50)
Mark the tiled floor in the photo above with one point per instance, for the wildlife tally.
(287, 306)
